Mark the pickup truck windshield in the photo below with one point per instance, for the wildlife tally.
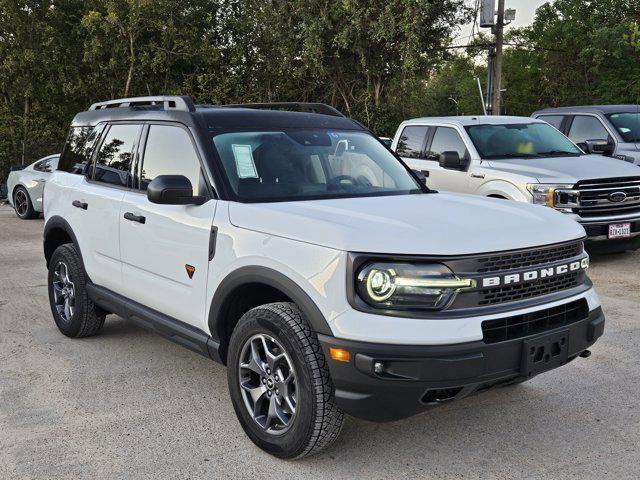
(520, 140)
(304, 164)
(627, 125)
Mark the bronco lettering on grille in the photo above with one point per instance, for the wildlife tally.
(531, 275)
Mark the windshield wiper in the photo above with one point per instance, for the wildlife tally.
(511, 155)
(558, 152)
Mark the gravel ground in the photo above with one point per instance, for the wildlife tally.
(129, 404)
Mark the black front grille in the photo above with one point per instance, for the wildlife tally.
(527, 258)
(544, 286)
(533, 323)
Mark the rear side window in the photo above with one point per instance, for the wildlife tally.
(411, 142)
(170, 151)
(447, 140)
(553, 120)
(115, 157)
(76, 153)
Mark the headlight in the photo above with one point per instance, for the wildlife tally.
(545, 193)
(406, 286)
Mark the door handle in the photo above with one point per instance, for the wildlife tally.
(79, 204)
(477, 175)
(134, 218)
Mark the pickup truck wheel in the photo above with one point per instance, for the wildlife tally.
(22, 204)
(280, 384)
(74, 313)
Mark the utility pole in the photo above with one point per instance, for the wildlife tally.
(496, 84)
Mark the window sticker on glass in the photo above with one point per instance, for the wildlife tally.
(244, 161)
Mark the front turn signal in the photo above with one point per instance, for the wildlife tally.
(339, 354)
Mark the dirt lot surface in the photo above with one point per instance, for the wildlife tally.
(129, 404)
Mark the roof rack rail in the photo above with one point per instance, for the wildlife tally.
(169, 102)
(307, 107)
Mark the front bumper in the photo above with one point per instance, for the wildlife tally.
(416, 378)
(598, 230)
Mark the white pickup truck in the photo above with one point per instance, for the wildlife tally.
(527, 160)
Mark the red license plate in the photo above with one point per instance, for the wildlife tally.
(620, 230)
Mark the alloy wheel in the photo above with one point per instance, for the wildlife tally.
(21, 203)
(268, 383)
(64, 292)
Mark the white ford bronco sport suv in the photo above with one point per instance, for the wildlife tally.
(527, 160)
(295, 248)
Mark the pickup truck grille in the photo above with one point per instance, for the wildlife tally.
(609, 196)
(533, 323)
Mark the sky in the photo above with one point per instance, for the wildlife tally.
(525, 11)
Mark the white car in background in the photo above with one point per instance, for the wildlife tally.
(25, 187)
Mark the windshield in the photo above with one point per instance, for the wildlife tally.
(627, 125)
(303, 164)
(520, 140)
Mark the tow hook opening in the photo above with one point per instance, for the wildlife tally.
(440, 395)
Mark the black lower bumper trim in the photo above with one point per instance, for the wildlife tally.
(389, 382)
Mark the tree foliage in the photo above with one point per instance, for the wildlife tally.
(366, 57)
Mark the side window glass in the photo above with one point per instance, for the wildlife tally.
(76, 153)
(411, 142)
(40, 166)
(586, 128)
(115, 157)
(170, 151)
(447, 140)
(553, 120)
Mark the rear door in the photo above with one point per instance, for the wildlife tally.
(411, 148)
(96, 200)
(165, 259)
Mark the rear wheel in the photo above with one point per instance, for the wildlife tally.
(279, 383)
(73, 311)
(22, 204)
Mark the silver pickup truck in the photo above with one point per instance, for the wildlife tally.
(527, 160)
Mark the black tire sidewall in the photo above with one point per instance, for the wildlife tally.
(70, 257)
(292, 442)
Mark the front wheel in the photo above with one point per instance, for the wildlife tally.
(73, 311)
(280, 384)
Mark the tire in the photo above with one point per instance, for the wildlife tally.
(82, 318)
(316, 421)
(22, 204)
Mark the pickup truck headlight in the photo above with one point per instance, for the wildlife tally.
(545, 193)
(407, 286)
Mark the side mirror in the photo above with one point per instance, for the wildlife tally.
(172, 190)
(421, 176)
(603, 147)
(452, 161)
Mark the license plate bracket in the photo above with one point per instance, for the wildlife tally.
(544, 352)
(619, 230)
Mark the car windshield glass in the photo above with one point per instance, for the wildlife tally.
(303, 164)
(627, 125)
(520, 140)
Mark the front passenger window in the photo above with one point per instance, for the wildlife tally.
(170, 151)
(115, 158)
(447, 139)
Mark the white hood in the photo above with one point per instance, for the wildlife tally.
(424, 224)
(567, 169)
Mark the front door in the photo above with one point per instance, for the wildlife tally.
(446, 139)
(165, 248)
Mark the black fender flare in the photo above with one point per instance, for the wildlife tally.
(271, 278)
(57, 222)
